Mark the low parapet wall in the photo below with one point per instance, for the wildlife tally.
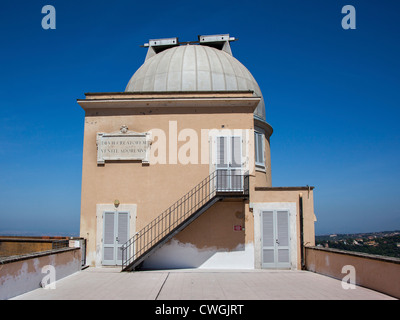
(375, 272)
(23, 273)
(11, 246)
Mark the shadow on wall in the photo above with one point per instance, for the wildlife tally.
(177, 255)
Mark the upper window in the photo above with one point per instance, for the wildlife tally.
(259, 149)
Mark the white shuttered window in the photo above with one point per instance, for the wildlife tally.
(259, 149)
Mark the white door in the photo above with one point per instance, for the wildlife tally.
(275, 239)
(115, 234)
(229, 163)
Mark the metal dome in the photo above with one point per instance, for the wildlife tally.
(194, 68)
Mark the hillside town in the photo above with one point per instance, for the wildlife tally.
(386, 243)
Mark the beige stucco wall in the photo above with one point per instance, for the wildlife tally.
(286, 198)
(25, 273)
(211, 241)
(375, 272)
(263, 177)
(216, 227)
(153, 188)
(213, 231)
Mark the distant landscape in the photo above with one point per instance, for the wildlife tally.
(14, 233)
(385, 243)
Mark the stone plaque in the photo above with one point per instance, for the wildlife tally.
(123, 145)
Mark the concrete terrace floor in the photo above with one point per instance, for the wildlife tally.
(199, 284)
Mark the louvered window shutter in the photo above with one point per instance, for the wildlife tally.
(123, 231)
(236, 152)
(283, 236)
(268, 237)
(109, 237)
(222, 152)
(259, 149)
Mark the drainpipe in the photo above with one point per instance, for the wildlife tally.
(301, 232)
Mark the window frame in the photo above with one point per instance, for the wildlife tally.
(259, 164)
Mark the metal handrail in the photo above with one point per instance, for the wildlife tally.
(58, 244)
(220, 182)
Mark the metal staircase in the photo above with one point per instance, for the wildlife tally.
(218, 185)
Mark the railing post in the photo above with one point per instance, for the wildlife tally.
(123, 260)
(169, 223)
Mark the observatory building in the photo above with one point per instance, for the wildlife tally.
(176, 169)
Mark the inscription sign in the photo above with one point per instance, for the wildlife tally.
(123, 145)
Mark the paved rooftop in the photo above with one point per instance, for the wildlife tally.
(196, 284)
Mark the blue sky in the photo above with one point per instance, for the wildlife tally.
(332, 97)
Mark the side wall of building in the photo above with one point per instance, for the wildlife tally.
(228, 234)
(285, 199)
(153, 187)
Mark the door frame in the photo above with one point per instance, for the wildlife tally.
(275, 243)
(117, 244)
(229, 168)
(291, 207)
(97, 253)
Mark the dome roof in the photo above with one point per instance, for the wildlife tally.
(194, 68)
